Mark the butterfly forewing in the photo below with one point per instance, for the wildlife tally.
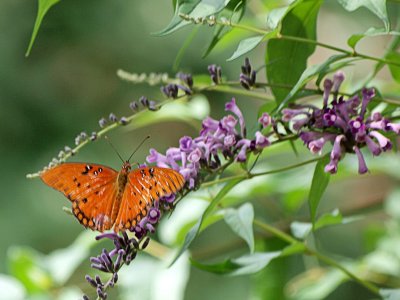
(91, 188)
(145, 185)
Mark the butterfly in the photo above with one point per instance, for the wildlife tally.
(103, 198)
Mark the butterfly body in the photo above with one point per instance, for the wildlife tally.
(103, 198)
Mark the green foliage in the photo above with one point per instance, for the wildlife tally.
(234, 12)
(246, 46)
(241, 222)
(44, 6)
(377, 7)
(318, 185)
(287, 59)
(195, 9)
(193, 232)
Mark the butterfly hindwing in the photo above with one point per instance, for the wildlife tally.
(144, 186)
(90, 187)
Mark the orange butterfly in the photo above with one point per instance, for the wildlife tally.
(103, 198)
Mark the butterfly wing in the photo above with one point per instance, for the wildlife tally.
(91, 188)
(144, 186)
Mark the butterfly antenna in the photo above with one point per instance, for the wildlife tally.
(112, 146)
(137, 148)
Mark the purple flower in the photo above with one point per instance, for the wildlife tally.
(231, 106)
(362, 166)
(153, 215)
(316, 145)
(265, 120)
(394, 127)
(343, 122)
(186, 144)
(261, 141)
(337, 149)
(384, 142)
(195, 155)
(372, 146)
(337, 80)
(327, 91)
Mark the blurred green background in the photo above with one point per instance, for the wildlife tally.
(69, 82)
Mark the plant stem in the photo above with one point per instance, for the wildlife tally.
(251, 175)
(329, 261)
(309, 41)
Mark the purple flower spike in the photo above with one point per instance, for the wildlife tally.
(231, 106)
(265, 120)
(362, 166)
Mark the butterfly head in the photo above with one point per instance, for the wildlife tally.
(126, 167)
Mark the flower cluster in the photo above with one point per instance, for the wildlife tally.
(171, 90)
(215, 73)
(343, 122)
(217, 138)
(248, 76)
(110, 262)
(125, 248)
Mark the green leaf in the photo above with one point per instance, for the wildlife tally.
(300, 230)
(276, 15)
(355, 38)
(195, 9)
(390, 294)
(308, 75)
(377, 7)
(11, 288)
(192, 234)
(241, 222)
(246, 46)
(234, 11)
(247, 264)
(318, 185)
(224, 267)
(44, 6)
(332, 218)
(285, 59)
(394, 70)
